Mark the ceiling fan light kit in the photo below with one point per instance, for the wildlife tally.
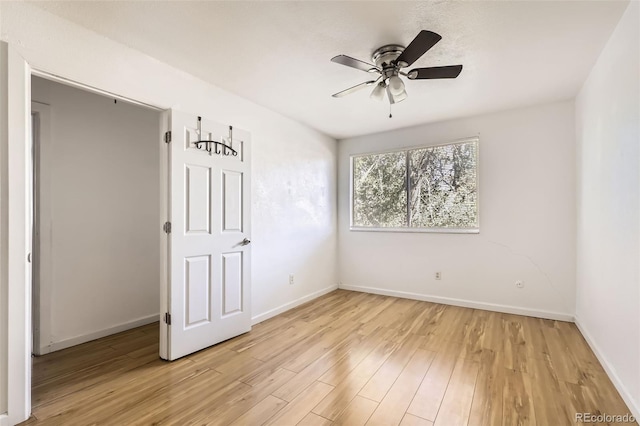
(396, 86)
(378, 91)
(388, 62)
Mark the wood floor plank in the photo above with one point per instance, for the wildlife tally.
(475, 336)
(346, 357)
(378, 386)
(515, 344)
(432, 322)
(239, 365)
(234, 407)
(72, 383)
(384, 317)
(285, 354)
(394, 405)
(283, 341)
(129, 390)
(347, 386)
(454, 323)
(140, 340)
(259, 333)
(321, 305)
(297, 409)
(179, 404)
(428, 398)
(517, 399)
(486, 408)
(260, 413)
(411, 420)
(456, 405)
(382, 303)
(357, 412)
(53, 365)
(565, 365)
(536, 344)
(319, 367)
(312, 419)
(587, 399)
(343, 368)
(590, 371)
(345, 312)
(213, 357)
(325, 340)
(548, 393)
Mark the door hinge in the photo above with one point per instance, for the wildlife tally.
(167, 136)
(167, 318)
(167, 227)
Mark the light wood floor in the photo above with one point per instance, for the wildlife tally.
(344, 359)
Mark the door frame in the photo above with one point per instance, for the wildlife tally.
(41, 294)
(16, 212)
(18, 146)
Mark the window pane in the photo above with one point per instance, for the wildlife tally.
(443, 187)
(379, 190)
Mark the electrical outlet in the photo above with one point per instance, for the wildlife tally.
(291, 279)
(520, 284)
(438, 276)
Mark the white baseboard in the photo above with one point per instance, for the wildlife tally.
(283, 308)
(67, 343)
(633, 405)
(4, 420)
(464, 303)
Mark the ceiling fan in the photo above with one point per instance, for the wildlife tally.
(389, 61)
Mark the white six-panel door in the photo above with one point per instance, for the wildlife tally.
(209, 251)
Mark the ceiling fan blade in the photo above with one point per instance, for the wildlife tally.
(353, 89)
(354, 63)
(450, 71)
(424, 41)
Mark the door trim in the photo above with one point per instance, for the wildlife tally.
(165, 241)
(87, 88)
(17, 210)
(42, 271)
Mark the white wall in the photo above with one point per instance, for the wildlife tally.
(527, 219)
(100, 198)
(3, 229)
(608, 231)
(293, 166)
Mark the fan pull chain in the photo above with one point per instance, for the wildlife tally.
(390, 116)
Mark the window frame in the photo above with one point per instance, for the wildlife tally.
(434, 230)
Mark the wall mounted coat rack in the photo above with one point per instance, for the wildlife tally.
(218, 147)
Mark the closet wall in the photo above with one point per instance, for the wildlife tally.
(100, 220)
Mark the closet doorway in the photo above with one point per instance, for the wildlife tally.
(96, 237)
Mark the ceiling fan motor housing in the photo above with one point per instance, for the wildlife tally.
(385, 57)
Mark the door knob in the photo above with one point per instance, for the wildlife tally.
(245, 242)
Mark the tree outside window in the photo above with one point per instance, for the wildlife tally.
(428, 188)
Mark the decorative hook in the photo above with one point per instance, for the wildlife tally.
(226, 149)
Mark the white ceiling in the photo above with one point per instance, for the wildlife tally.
(277, 53)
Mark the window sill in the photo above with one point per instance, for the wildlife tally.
(418, 230)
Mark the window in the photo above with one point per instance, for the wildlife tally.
(431, 188)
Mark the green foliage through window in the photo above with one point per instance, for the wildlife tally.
(430, 187)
